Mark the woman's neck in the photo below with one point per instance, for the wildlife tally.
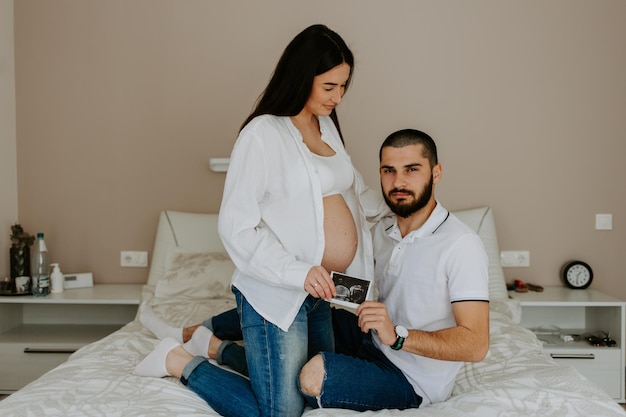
(309, 127)
(306, 121)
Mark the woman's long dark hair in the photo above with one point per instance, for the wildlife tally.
(314, 51)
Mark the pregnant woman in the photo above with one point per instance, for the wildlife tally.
(291, 212)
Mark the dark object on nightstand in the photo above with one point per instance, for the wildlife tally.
(520, 286)
(19, 258)
(609, 342)
(603, 340)
(595, 341)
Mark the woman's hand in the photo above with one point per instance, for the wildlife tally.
(319, 284)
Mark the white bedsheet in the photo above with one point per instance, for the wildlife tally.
(515, 379)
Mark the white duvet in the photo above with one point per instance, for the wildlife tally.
(515, 379)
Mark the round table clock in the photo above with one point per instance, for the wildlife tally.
(577, 275)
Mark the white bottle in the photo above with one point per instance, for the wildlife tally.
(57, 279)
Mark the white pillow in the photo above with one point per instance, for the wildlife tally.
(481, 220)
(195, 275)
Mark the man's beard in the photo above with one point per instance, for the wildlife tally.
(404, 208)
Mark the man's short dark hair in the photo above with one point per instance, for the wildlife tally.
(406, 137)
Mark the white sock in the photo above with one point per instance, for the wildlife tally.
(157, 326)
(154, 364)
(198, 345)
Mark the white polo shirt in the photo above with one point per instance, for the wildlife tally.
(418, 278)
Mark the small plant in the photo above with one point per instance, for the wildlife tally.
(19, 238)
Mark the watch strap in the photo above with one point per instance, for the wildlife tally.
(398, 344)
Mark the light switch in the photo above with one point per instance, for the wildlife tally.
(604, 221)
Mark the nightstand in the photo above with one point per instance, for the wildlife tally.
(39, 333)
(562, 311)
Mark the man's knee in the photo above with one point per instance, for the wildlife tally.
(312, 376)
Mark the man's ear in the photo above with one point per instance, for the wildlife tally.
(437, 173)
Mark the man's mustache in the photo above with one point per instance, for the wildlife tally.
(401, 190)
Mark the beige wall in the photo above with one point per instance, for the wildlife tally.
(8, 161)
(121, 103)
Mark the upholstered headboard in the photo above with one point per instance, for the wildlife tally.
(198, 232)
(481, 220)
(177, 229)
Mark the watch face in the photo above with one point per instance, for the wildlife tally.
(577, 274)
(401, 331)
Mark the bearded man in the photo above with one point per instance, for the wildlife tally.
(432, 314)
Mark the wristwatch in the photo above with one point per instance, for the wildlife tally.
(402, 334)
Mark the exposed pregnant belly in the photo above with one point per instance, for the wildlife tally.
(340, 234)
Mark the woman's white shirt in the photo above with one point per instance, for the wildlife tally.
(271, 219)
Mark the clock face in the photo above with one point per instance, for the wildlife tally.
(577, 274)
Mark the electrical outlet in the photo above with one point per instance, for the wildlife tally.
(514, 258)
(134, 259)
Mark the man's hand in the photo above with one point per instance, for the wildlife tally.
(374, 316)
(468, 341)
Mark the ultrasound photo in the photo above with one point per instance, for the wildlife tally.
(351, 291)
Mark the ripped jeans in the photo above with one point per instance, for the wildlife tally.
(274, 360)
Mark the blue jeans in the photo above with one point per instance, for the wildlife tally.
(274, 359)
(361, 377)
(227, 326)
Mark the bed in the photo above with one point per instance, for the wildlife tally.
(189, 281)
